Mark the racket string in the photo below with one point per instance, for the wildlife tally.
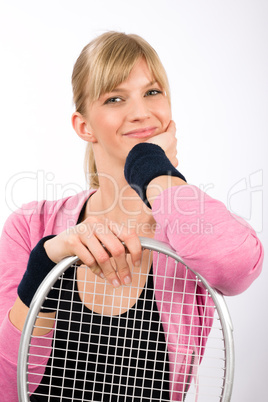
(116, 371)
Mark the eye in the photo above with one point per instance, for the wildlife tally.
(113, 100)
(153, 92)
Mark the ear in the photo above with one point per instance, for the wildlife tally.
(82, 127)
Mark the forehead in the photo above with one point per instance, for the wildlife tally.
(140, 75)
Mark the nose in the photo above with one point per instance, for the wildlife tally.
(138, 110)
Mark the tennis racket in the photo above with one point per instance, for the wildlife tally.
(166, 337)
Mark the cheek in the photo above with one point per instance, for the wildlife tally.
(104, 125)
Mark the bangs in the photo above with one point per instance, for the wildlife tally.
(113, 65)
(110, 72)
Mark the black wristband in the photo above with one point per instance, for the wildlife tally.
(39, 265)
(144, 163)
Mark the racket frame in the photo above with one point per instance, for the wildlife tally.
(146, 243)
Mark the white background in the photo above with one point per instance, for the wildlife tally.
(215, 54)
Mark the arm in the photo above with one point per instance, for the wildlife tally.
(15, 248)
(212, 241)
(222, 247)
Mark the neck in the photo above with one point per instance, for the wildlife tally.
(116, 201)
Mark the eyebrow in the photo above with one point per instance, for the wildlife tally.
(125, 90)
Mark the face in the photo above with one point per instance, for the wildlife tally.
(135, 111)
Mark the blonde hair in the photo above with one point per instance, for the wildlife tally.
(104, 64)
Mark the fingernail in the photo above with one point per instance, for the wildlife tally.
(115, 283)
(102, 275)
(137, 263)
(127, 280)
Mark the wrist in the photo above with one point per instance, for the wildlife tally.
(52, 251)
(39, 265)
(160, 184)
(146, 162)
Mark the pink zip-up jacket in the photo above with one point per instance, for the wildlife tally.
(223, 248)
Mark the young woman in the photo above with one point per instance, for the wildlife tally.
(123, 112)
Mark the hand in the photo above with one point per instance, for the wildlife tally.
(92, 241)
(168, 142)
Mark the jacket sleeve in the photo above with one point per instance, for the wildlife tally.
(220, 246)
(15, 248)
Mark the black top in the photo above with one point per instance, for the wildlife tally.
(108, 358)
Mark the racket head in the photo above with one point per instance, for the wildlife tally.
(212, 370)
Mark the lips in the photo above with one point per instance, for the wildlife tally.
(141, 132)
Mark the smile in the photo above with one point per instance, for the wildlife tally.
(141, 133)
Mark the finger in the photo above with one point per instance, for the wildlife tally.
(175, 162)
(123, 269)
(166, 140)
(102, 257)
(131, 241)
(117, 250)
(87, 258)
(171, 127)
